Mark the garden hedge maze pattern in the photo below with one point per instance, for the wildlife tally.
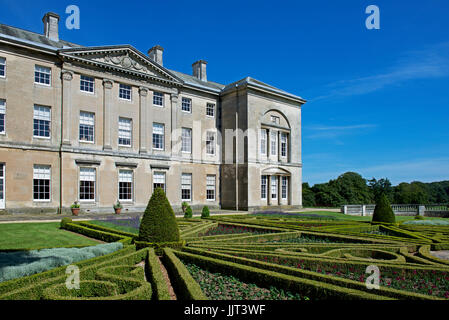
(255, 257)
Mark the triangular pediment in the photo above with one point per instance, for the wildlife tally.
(121, 58)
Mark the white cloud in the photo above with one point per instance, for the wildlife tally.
(432, 62)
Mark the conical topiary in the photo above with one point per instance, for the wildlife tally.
(383, 211)
(158, 222)
(189, 212)
(205, 213)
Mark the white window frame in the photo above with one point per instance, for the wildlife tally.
(87, 119)
(42, 172)
(274, 187)
(88, 80)
(263, 141)
(3, 112)
(185, 143)
(284, 187)
(186, 186)
(159, 177)
(274, 143)
(157, 127)
(263, 183)
(186, 102)
(124, 176)
(43, 70)
(211, 186)
(159, 95)
(210, 143)
(210, 106)
(88, 172)
(284, 144)
(123, 90)
(3, 63)
(41, 117)
(123, 131)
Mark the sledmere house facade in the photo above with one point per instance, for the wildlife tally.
(101, 124)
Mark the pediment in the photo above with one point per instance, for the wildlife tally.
(124, 59)
(275, 171)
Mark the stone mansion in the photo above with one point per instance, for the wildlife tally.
(101, 124)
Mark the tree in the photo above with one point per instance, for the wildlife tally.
(383, 211)
(381, 186)
(308, 197)
(352, 188)
(158, 222)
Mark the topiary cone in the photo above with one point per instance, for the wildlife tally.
(158, 222)
(383, 211)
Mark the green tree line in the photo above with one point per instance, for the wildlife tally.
(352, 188)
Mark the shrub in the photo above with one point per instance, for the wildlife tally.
(383, 211)
(158, 222)
(205, 213)
(419, 217)
(25, 263)
(189, 212)
(64, 221)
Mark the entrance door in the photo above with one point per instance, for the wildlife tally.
(2, 186)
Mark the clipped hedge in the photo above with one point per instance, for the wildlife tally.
(32, 287)
(205, 257)
(97, 233)
(155, 276)
(265, 278)
(112, 283)
(185, 286)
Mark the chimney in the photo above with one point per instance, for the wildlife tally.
(51, 21)
(155, 54)
(199, 70)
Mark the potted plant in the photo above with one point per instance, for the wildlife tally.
(118, 207)
(184, 206)
(75, 207)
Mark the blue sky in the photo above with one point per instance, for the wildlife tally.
(378, 100)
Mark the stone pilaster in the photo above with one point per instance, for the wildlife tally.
(143, 120)
(175, 131)
(67, 77)
(107, 113)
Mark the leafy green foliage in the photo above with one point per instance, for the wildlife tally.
(308, 197)
(383, 211)
(64, 221)
(158, 222)
(189, 212)
(25, 263)
(205, 212)
(351, 188)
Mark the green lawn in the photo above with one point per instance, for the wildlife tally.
(341, 216)
(37, 235)
(124, 226)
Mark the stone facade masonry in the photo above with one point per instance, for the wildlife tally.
(238, 166)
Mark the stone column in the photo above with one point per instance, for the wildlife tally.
(67, 77)
(279, 188)
(269, 190)
(107, 113)
(279, 145)
(174, 125)
(143, 120)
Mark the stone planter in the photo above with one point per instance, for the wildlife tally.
(75, 211)
(117, 210)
